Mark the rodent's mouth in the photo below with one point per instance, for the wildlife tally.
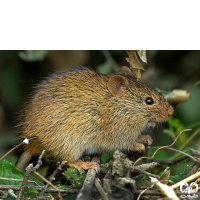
(152, 123)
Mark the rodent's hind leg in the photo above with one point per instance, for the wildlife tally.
(145, 139)
(85, 165)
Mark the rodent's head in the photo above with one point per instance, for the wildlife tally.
(147, 104)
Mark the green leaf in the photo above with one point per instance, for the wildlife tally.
(31, 190)
(11, 192)
(175, 122)
(183, 168)
(33, 55)
(175, 178)
(8, 171)
(73, 176)
(105, 157)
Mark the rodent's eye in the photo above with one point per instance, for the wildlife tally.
(149, 101)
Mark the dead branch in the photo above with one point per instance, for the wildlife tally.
(166, 190)
(39, 163)
(194, 152)
(146, 173)
(28, 172)
(189, 139)
(152, 192)
(86, 189)
(186, 154)
(17, 146)
(52, 177)
(145, 167)
(100, 189)
(40, 188)
(44, 179)
(25, 181)
(170, 162)
(197, 164)
(107, 180)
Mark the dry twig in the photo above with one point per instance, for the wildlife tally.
(160, 148)
(100, 189)
(25, 181)
(40, 188)
(17, 146)
(189, 139)
(86, 189)
(48, 182)
(144, 167)
(166, 190)
(170, 162)
(194, 152)
(28, 172)
(52, 177)
(186, 154)
(147, 173)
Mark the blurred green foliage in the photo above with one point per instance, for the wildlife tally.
(105, 68)
(33, 55)
(174, 128)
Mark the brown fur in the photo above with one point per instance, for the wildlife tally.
(80, 112)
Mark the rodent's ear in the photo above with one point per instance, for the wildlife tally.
(126, 70)
(117, 85)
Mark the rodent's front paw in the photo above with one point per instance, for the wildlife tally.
(139, 147)
(146, 139)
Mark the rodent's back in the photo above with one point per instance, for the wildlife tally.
(64, 112)
(77, 112)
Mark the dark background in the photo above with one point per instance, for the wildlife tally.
(21, 70)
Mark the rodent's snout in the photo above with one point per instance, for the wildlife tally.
(165, 113)
(170, 111)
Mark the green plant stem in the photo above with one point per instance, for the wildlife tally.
(193, 125)
(197, 83)
(190, 138)
(109, 58)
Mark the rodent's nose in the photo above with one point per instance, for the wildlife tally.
(169, 114)
(165, 113)
(170, 111)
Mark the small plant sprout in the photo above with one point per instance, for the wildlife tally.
(11, 192)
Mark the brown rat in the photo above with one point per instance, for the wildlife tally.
(82, 112)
